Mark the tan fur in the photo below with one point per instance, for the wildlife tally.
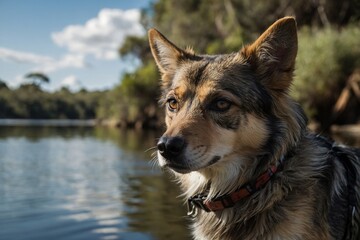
(251, 136)
(227, 148)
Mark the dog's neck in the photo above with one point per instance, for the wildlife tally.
(224, 178)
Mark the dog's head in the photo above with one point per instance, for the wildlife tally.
(221, 107)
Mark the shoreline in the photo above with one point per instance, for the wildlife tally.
(48, 122)
(112, 123)
(352, 129)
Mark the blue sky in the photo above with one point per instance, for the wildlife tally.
(73, 41)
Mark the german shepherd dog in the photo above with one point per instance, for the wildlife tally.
(240, 148)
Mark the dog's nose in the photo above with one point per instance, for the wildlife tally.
(170, 147)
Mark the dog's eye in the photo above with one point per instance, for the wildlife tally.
(172, 104)
(220, 105)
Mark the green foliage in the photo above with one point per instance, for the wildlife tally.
(134, 101)
(211, 26)
(223, 26)
(29, 101)
(325, 60)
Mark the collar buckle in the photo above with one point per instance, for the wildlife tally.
(192, 211)
(195, 202)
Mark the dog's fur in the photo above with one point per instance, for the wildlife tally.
(236, 118)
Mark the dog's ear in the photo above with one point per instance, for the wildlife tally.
(167, 55)
(273, 54)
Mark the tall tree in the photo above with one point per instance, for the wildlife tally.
(38, 78)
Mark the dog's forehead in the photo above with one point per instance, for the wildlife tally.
(203, 77)
(195, 79)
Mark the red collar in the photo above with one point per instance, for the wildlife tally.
(229, 200)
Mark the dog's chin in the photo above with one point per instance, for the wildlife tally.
(183, 168)
(178, 168)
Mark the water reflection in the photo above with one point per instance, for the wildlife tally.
(84, 183)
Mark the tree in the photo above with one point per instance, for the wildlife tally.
(37, 78)
(222, 26)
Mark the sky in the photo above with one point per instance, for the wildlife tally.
(74, 42)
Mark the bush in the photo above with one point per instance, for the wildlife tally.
(134, 100)
(325, 60)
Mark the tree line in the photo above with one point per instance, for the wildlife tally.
(30, 101)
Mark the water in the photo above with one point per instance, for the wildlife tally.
(85, 183)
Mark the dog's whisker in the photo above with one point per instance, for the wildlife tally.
(153, 160)
(151, 148)
(154, 153)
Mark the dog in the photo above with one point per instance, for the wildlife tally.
(240, 148)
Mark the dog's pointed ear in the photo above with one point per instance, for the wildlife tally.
(167, 55)
(273, 54)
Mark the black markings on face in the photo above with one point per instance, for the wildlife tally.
(277, 131)
(196, 74)
(214, 160)
(252, 96)
(227, 121)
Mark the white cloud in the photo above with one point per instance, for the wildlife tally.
(101, 36)
(71, 82)
(67, 61)
(43, 63)
(23, 57)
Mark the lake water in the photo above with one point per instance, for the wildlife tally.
(85, 183)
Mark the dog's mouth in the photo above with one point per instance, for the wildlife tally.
(185, 166)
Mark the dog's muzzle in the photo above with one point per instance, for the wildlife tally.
(171, 147)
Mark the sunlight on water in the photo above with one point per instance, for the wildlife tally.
(84, 183)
